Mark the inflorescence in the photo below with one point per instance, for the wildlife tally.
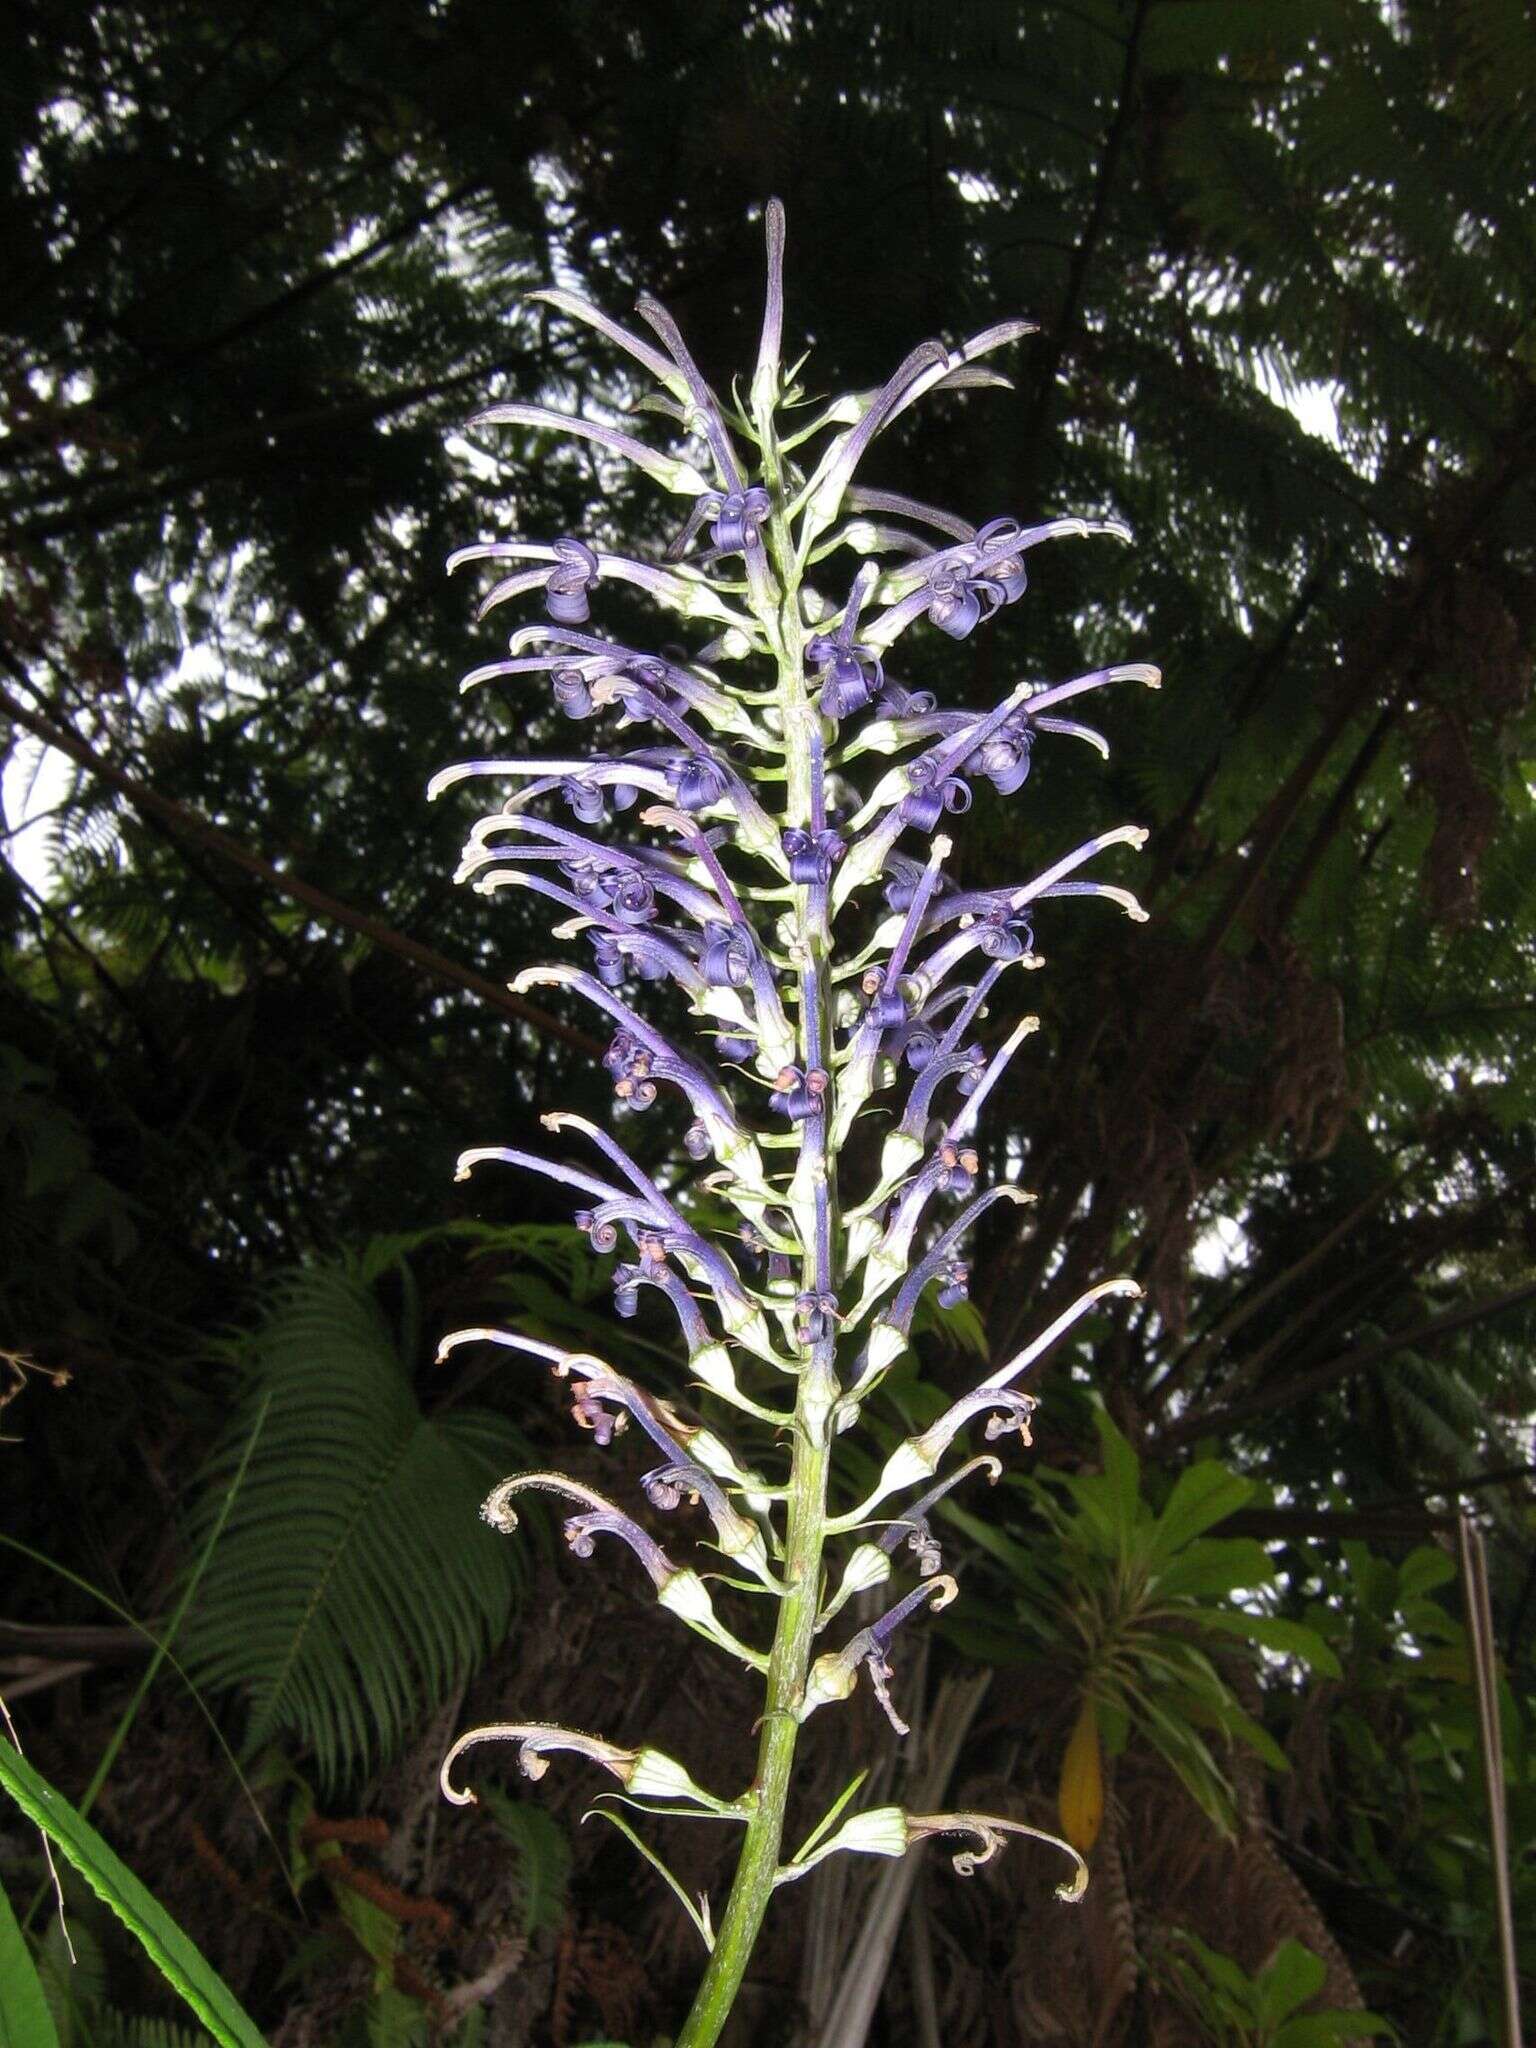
(723, 841)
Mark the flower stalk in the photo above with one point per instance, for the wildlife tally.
(837, 974)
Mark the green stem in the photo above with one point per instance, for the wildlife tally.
(793, 1639)
(805, 1526)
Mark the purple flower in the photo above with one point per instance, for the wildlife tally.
(573, 692)
(913, 1524)
(850, 676)
(897, 702)
(800, 1095)
(1004, 757)
(903, 879)
(888, 1007)
(725, 960)
(956, 1277)
(735, 519)
(584, 799)
(600, 1517)
(955, 599)
(816, 1317)
(698, 781)
(932, 793)
(612, 969)
(834, 1676)
(1004, 934)
(574, 573)
(812, 856)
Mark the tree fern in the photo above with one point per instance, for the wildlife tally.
(350, 1591)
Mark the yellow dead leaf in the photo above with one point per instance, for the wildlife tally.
(1080, 1798)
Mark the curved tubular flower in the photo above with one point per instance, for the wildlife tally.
(912, 1526)
(765, 374)
(600, 1516)
(889, 1006)
(1122, 1284)
(620, 948)
(664, 1425)
(869, 1564)
(678, 1588)
(987, 918)
(980, 1085)
(651, 359)
(721, 1276)
(916, 1459)
(862, 499)
(574, 568)
(710, 770)
(732, 1144)
(1001, 334)
(555, 1355)
(703, 401)
(645, 1773)
(888, 1831)
(597, 658)
(957, 589)
(974, 904)
(530, 1162)
(627, 772)
(654, 1272)
(834, 1676)
(939, 1254)
(601, 1389)
(951, 1168)
(534, 1739)
(934, 1059)
(667, 470)
(818, 503)
(581, 857)
(990, 1832)
(949, 1059)
(830, 970)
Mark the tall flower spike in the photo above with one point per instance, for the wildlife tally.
(715, 827)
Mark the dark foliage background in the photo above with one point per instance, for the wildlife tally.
(260, 260)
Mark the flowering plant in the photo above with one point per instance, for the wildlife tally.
(811, 925)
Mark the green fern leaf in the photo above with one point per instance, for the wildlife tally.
(543, 1856)
(124, 2030)
(354, 1587)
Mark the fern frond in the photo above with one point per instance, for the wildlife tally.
(353, 1588)
(543, 1856)
(125, 2030)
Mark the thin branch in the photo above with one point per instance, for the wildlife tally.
(1249, 1303)
(1064, 328)
(435, 965)
(318, 280)
(196, 461)
(1334, 814)
(1444, 550)
(1347, 1365)
(1169, 841)
(1483, 1658)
